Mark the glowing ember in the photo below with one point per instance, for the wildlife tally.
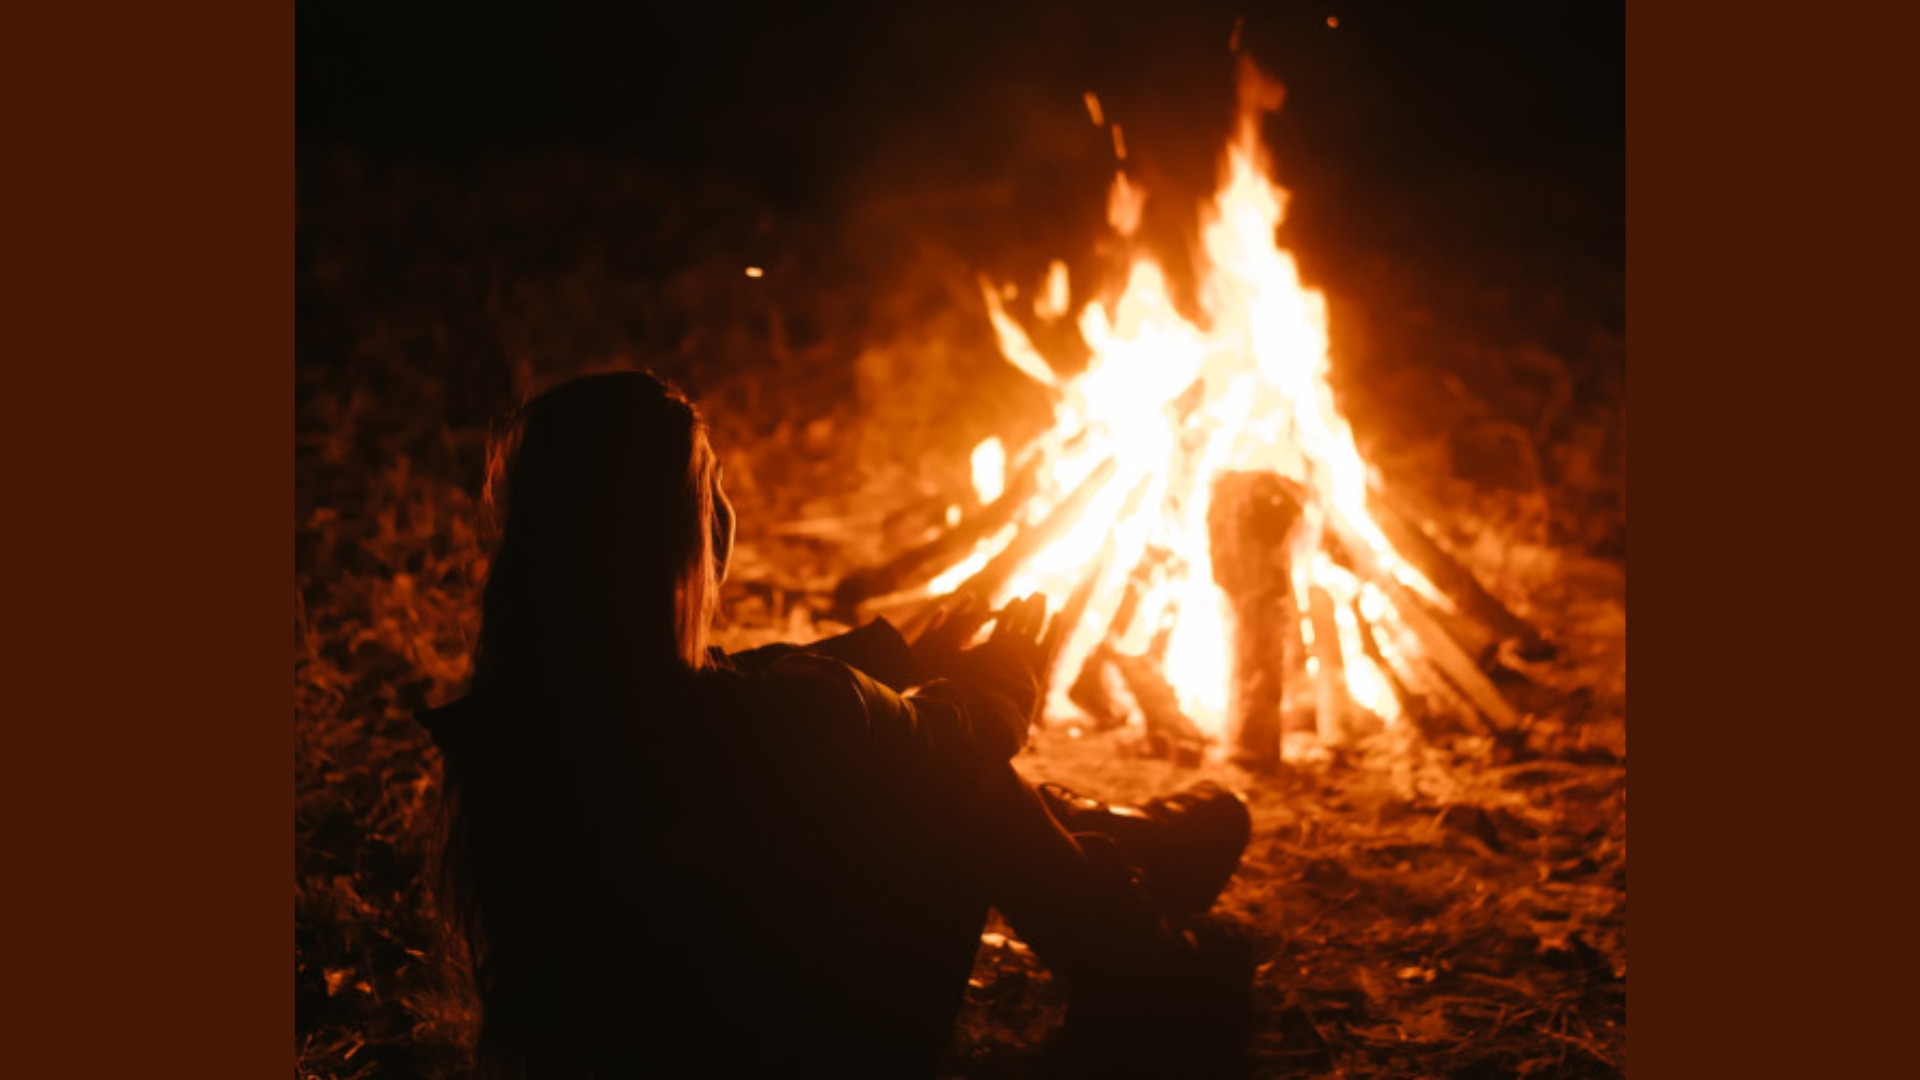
(1094, 113)
(1163, 408)
(989, 470)
(1055, 295)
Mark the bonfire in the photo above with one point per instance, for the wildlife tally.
(1227, 567)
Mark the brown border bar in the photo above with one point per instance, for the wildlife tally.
(146, 494)
(1770, 281)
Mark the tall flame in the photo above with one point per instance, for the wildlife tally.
(1170, 404)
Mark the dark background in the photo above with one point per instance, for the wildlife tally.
(811, 107)
(574, 181)
(785, 98)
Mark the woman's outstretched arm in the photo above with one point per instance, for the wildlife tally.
(876, 650)
(957, 727)
(954, 729)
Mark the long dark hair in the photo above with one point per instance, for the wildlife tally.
(597, 601)
(603, 491)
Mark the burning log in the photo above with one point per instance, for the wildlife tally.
(1090, 688)
(1034, 537)
(1404, 696)
(1075, 608)
(1482, 622)
(1061, 630)
(1424, 697)
(1088, 651)
(1249, 525)
(1297, 696)
(1150, 569)
(1436, 645)
(1333, 710)
(1074, 611)
(1159, 706)
(1091, 692)
(1452, 661)
(912, 566)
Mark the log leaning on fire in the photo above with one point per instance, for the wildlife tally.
(1160, 710)
(1090, 687)
(1482, 621)
(1438, 648)
(913, 565)
(1032, 538)
(1250, 523)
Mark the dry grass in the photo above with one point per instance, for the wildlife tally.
(1422, 909)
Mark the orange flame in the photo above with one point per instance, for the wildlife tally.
(1172, 404)
(989, 470)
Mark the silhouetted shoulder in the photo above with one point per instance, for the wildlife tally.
(803, 695)
(874, 649)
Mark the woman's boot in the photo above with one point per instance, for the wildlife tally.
(1186, 845)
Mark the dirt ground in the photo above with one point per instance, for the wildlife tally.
(1422, 907)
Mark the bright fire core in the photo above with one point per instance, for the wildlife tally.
(1163, 407)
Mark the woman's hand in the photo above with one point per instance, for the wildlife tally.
(936, 652)
(1001, 678)
(1019, 635)
(1017, 655)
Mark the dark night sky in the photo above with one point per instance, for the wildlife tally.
(1483, 141)
(787, 100)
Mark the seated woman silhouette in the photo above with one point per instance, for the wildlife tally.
(667, 860)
